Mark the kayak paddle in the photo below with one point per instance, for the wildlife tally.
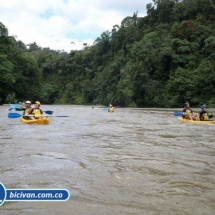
(13, 106)
(17, 107)
(14, 115)
(177, 113)
(50, 112)
(17, 115)
(112, 100)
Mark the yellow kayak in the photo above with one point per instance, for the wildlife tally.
(181, 119)
(44, 121)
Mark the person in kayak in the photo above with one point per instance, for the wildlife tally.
(26, 109)
(36, 112)
(111, 108)
(188, 113)
(204, 115)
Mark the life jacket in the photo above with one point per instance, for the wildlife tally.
(37, 113)
(205, 116)
(26, 111)
(188, 111)
(111, 109)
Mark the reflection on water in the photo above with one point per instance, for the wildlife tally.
(135, 161)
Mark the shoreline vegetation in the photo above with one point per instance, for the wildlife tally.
(161, 60)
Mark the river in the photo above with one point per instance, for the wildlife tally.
(133, 161)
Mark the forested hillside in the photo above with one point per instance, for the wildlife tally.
(160, 60)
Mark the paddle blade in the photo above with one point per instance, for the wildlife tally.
(50, 112)
(14, 115)
(177, 113)
(10, 109)
(60, 116)
(18, 109)
(105, 109)
(14, 106)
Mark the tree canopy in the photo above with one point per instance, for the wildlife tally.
(160, 60)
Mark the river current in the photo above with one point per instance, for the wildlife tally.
(133, 161)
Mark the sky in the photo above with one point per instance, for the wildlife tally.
(65, 24)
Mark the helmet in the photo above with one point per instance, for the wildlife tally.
(37, 102)
(27, 102)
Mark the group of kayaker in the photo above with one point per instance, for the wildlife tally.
(187, 113)
(32, 112)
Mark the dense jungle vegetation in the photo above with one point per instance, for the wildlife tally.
(161, 60)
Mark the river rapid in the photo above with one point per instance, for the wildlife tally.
(133, 161)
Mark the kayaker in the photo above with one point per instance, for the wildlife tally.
(111, 108)
(204, 115)
(26, 109)
(36, 112)
(188, 113)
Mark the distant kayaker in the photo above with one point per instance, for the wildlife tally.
(204, 115)
(36, 112)
(111, 108)
(187, 113)
(26, 109)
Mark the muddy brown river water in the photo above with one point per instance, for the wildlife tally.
(134, 161)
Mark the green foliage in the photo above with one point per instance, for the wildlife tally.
(160, 60)
(49, 93)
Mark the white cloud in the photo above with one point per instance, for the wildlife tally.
(57, 23)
